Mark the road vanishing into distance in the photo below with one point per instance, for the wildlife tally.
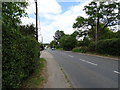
(88, 71)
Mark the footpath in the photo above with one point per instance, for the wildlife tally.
(55, 76)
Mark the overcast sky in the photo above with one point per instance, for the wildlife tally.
(55, 15)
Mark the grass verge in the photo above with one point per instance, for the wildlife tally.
(105, 55)
(84, 51)
(37, 79)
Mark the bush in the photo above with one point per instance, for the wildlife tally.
(91, 47)
(82, 49)
(76, 49)
(108, 46)
(20, 55)
(85, 42)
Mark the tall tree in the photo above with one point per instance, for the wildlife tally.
(58, 34)
(11, 13)
(103, 12)
(100, 16)
(68, 42)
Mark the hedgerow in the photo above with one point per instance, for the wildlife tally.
(19, 58)
(82, 49)
(108, 46)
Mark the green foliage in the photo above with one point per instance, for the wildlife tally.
(42, 46)
(118, 34)
(75, 34)
(36, 79)
(58, 35)
(77, 49)
(27, 30)
(53, 43)
(11, 13)
(101, 11)
(79, 33)
(101, 34)
(108, 46)
(20, 56)
(84, 42)
(68, 42)
(92, 47)
(100, 16)
(82, 49)
(81, 21)
(20, 53)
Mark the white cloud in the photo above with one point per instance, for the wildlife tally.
(26, 20)
(63, 21)
(54, 19)
(44, 6)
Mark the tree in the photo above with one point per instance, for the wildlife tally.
(20, 53)
(28, 30)
(68, 42)
(100, 16)
(118, 34)
(101, 34)
(11, 13)
(53, 43)
(103, 12)
(58, 35)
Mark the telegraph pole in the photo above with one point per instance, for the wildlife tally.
(36, 20)
(96, 37)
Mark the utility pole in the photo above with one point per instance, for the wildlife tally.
(96, 37)
(36, 20)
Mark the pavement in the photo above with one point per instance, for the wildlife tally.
(87, 71)
(56, 78)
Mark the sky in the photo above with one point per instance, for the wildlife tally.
(54, 15)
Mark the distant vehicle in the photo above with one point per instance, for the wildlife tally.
(53, 48)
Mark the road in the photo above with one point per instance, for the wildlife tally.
(88, 71)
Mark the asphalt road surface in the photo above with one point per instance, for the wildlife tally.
(88, 71)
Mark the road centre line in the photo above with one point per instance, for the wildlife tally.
(89, 62)
(117, 72)
(70, 56)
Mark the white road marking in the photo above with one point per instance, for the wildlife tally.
(70, 56)
(117, 72)
(88, 62)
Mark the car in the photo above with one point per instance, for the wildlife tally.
(53, 48)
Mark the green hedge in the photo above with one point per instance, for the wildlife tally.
(20, 55)
(108, 46)
(82, 49)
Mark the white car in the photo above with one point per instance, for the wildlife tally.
(53, 48)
